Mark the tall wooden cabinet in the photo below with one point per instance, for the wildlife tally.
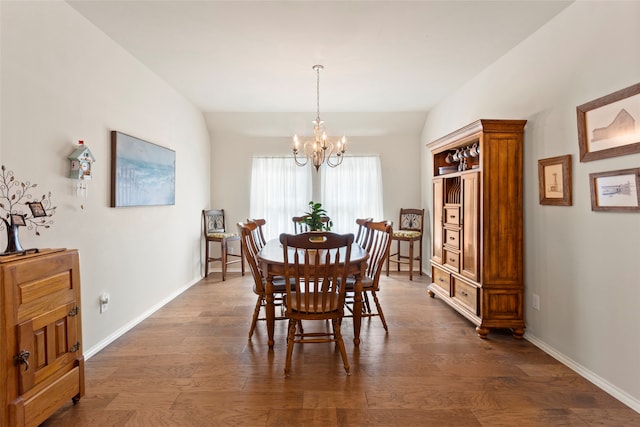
(41, 361)
(477, 244)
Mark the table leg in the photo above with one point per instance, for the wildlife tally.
(271, 310)
(357, 310)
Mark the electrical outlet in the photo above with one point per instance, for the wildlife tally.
(104, 302)
(231, 250)
(535, 301)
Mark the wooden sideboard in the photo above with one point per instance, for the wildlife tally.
(477, 237)
(41, 363)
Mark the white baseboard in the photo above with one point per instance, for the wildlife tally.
(614, 391)
(123, 330)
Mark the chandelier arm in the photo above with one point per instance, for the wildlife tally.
(309, 153)
(295, 158)
(339, 156)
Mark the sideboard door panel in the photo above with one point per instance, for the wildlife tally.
(49, 338)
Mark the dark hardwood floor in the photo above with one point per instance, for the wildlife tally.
(190, 364)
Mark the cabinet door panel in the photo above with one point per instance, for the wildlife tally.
(50, 339)
(470, 226)
(438, 201)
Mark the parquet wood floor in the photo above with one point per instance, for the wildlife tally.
(191, 364)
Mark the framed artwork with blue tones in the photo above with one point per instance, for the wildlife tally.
(142, 173)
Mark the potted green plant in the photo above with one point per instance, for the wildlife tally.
(315, 219)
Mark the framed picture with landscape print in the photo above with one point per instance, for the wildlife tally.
(610, 126)
(554, 180)
(616, 190)
(142, 173)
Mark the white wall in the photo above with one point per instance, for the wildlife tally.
(237, 137)
(62, 81)
(583, 264)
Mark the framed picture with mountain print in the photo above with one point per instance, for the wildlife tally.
(554, 180)
(610, 126)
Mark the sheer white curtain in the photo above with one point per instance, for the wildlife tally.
(352, 190)
(280, 190)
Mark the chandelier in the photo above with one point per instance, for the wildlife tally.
(320, 148)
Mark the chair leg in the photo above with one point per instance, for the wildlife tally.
(206, 258)
(380, 313)
(223, 256)
(343, 351)
(411, 255)
(399, 257)
(366, 305)
(256, 313)
(420, 265)
(388, 262)
(242, 259)
(290, 338)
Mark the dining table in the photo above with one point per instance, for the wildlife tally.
(271, 263)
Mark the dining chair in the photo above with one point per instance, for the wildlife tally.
(410, 229)
(215, 232)
(316, 266)
(360, 239)
(377, 246)
(300, 227)
(249, 239)
(361, 233)
(260, 239)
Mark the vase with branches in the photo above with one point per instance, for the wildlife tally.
(19, 208)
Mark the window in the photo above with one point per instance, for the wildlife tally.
(352, 190)
(281, 190)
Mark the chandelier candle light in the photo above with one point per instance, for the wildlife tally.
(319, 149)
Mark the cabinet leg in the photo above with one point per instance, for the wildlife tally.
(482, 332)
(75, 399)
(518, 333)
(431, 294)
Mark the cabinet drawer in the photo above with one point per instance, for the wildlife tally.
(442, 279)
(452, 238)
(466, 294)
(452, 215)
(451, 258)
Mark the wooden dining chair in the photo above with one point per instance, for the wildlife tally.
(361, 233)
(300, 227)
(410, 229)
(377, 245)
(215, 232)
(360, 239)
(249, 239)
(260, 239)
(315, 271)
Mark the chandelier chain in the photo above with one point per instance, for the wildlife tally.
(318, 68)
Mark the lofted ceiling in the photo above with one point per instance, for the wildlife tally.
(257, 56)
